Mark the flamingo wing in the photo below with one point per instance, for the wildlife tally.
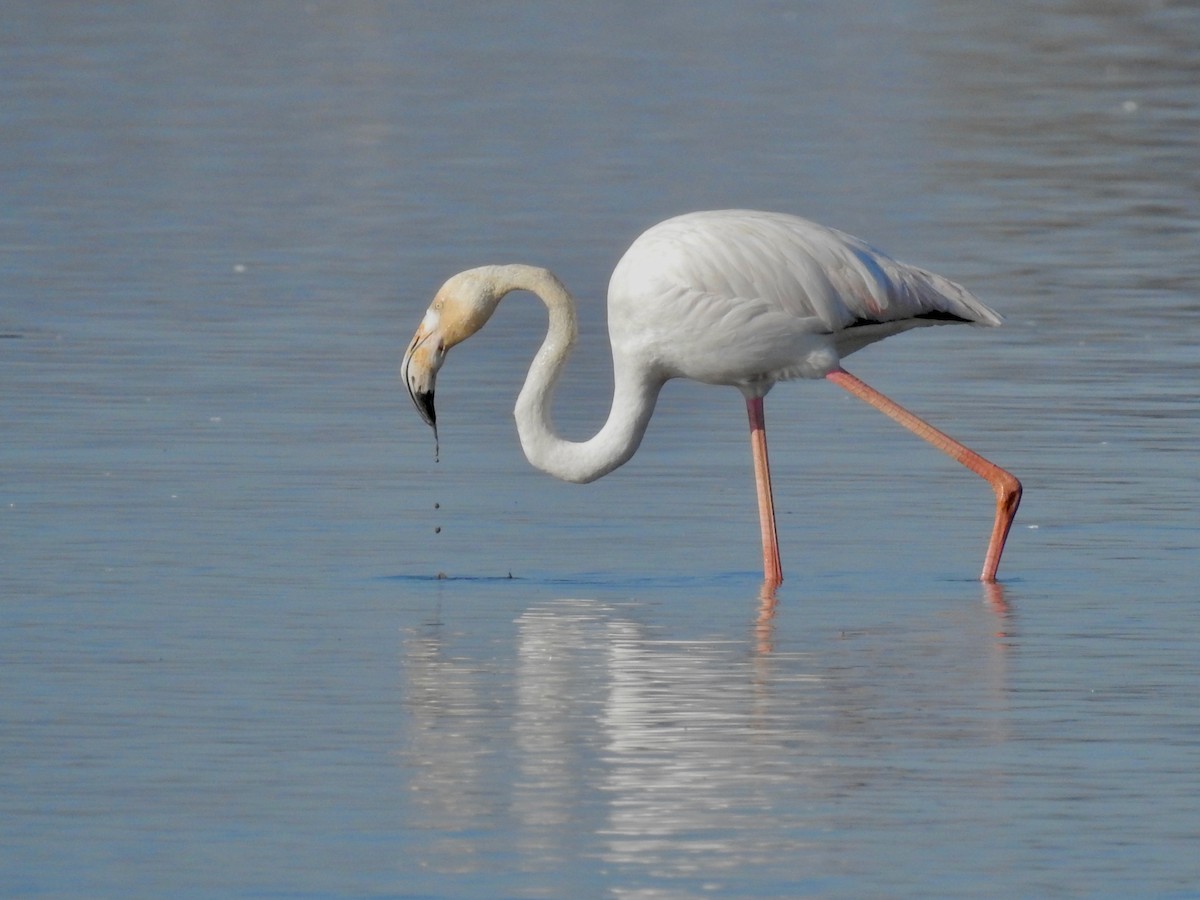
(714, 294)
(799, 267)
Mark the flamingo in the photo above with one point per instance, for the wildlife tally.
(727, 297)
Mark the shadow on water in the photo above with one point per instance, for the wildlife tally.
(598, 581)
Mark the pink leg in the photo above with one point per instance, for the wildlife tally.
(1006, 487)
(772, 569)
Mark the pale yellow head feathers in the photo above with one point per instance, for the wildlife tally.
(462, 306)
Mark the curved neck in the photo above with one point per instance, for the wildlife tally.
(633, 399)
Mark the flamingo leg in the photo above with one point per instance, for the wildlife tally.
(772, 569)
(1006, 487)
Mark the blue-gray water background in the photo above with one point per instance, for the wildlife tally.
(226, 664)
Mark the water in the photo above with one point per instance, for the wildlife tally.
(229, 667)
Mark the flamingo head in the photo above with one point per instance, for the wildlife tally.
(460, 308)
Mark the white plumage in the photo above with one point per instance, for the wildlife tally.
(749, 298)
(731, 297)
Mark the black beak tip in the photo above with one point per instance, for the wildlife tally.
(424, 404)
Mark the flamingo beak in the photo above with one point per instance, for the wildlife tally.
(419, 371)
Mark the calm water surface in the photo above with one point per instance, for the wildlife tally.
(229, 666)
